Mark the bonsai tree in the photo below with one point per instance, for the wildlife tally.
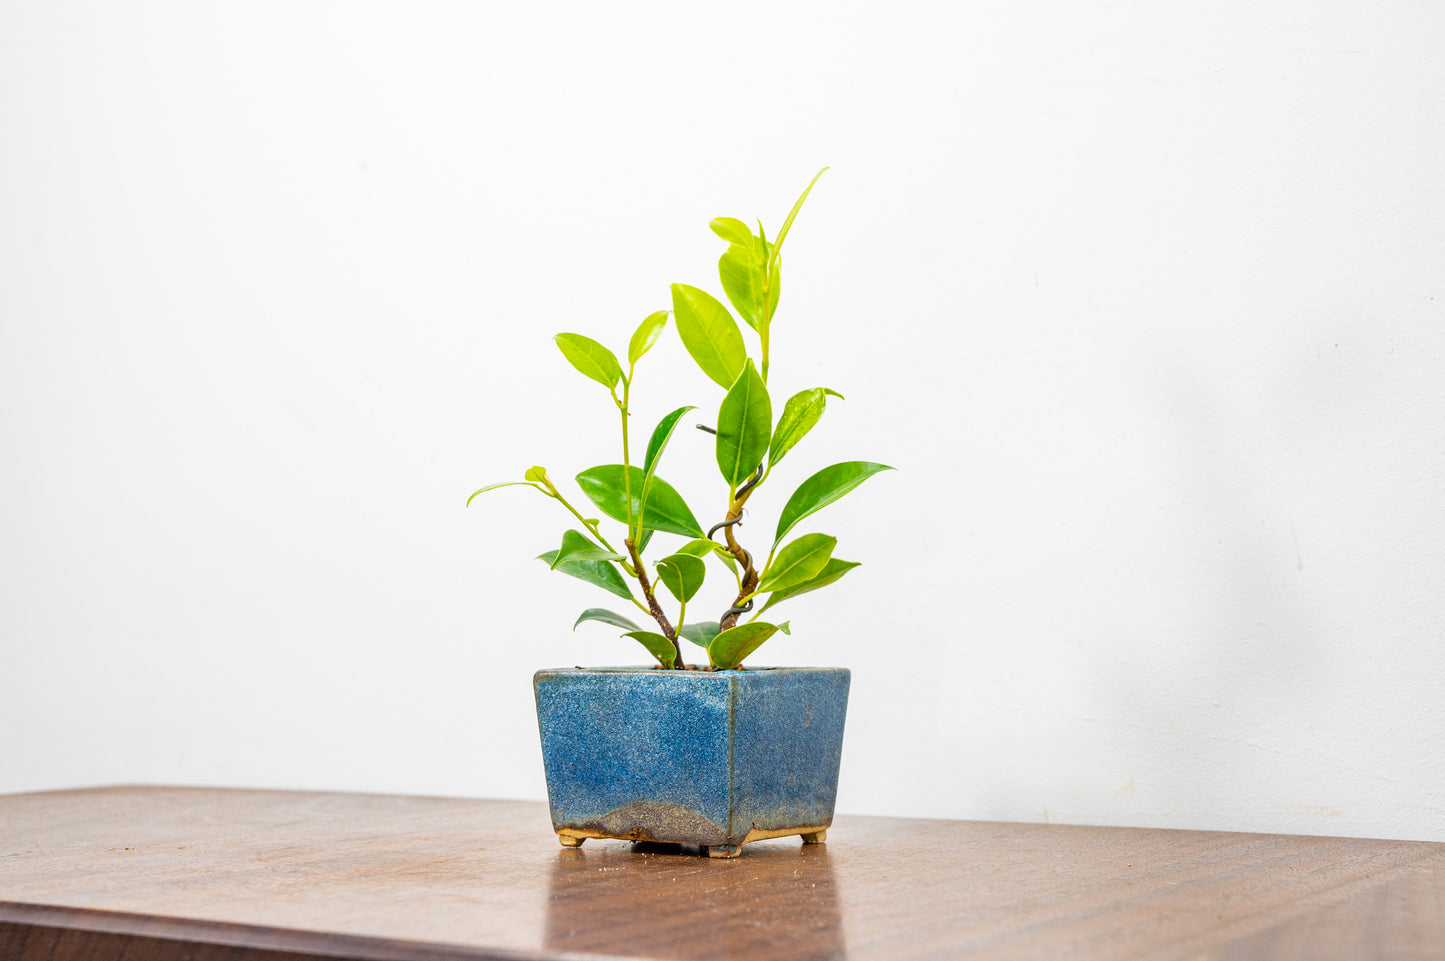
(749, 445)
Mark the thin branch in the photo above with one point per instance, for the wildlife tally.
(654, 608)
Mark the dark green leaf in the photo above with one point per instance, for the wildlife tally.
(682, 574)
(606, 617)
(591, 358)
(728, 649)
(836, 568)
(702, 547)
(798, 562)
(647, 333)
(732, 230)
(822, 489)
(744, 425)
(602, 573)
(577, 546)
(666, 510)
(700, 633)
(800, 414)
(657, 645)
(709, 333)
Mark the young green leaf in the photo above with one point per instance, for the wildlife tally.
(744, 426)
(783, 233)
(682, 574)
(591, 358)
(802, 411)
(606, 617)
(647, 333)
(577, 546)
(798, 562)
(742, 268)
(538, 474)
(728, 649)
(835, 569)
(492, 487)
(732, 230)
(702, 547)
(604, 574)
(822, 489)
(700, 633)
(666, 510)
(661, 434)
(709, 333)
(657, 645)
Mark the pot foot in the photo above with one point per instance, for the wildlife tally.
(568, 841)
(724, 850)
(816, 837)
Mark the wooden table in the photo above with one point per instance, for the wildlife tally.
(164, 874)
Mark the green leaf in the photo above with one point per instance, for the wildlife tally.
(798, 562)
(822, 489)
(577, 546)
(732, 230)
(744, 425)
(709, 333)
(647, 333)
(835, 569)
(728, 649)
(538, 474)
(602, 573)
(661, 434)
(702, 547)
(492, 487)
(783, 233)
(682, 574)
(800, 414)
(666, 510)
(657, 645)
(700, 633)
(591, 358)
(742, 269)
(606, 617)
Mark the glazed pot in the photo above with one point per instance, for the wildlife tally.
(710, 758)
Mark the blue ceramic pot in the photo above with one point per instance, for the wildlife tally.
(713, 758)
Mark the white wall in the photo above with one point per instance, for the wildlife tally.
(1144, 301)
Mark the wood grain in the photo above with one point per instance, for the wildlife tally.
(219, 875)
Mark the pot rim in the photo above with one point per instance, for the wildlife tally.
(700, 672)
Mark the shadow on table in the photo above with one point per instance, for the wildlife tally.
(777, 899)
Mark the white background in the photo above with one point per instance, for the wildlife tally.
(1144, 301)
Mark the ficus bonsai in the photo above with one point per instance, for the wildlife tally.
(749, 444)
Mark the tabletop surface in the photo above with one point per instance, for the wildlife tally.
(271, 875)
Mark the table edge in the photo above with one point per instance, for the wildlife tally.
(124, 926)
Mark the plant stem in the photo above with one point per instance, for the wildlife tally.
(749, 579)
(596, 531)
(626, 459)
(654, 608)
